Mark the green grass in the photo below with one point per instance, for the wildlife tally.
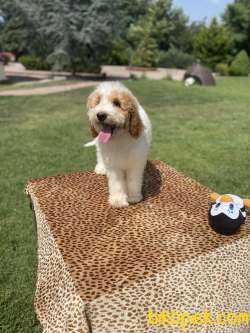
(203, 132)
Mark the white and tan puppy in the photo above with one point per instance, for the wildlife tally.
(123, 134)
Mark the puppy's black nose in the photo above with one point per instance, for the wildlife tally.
(101, 116)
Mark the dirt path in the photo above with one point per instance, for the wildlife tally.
(48, 90)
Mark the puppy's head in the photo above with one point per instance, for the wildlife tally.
(111, 108)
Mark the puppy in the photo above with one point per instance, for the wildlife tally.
(122, 132)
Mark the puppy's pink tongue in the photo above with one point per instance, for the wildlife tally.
(105, 134)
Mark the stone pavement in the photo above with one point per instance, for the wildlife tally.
(48, 90)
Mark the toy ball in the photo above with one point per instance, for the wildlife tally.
(227, 213)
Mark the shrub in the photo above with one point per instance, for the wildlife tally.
(34, 62)
(175, 59)
(240, 65)
(90, 68)
(81, 65)
(222, 69)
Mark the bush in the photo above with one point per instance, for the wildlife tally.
(240, 65)
(86, 67)
(34, 62)
(90, 68)
(222, 69)
(175, 59)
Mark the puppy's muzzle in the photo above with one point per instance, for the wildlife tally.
(101, 116)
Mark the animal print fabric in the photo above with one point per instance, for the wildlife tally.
(101, 269)
(58, 306)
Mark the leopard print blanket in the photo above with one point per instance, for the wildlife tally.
(149, 267)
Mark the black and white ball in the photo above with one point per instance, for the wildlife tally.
(227, 214)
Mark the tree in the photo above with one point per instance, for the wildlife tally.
(167, 24)
(237, 19)
(158, 30)
(126, 13)
(147, 53)
(170, 27)
(187, 36)
(16, 35)
(213, 44)
(80, 34)
(12, 37)
(72, 32)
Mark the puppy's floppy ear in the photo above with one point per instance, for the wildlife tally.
(93, 99)
(93, 131)
(135, 124)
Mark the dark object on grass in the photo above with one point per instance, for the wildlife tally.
(227, 213)
(202, 75)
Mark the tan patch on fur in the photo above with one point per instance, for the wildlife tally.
(129, 107)
(93, 131)
(93, 100)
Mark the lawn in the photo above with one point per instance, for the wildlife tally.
(203, 132)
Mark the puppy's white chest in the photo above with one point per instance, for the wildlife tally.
(120, 153)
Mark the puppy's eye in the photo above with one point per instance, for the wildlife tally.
(116, 103)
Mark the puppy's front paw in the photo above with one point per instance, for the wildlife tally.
(118, 200)
(100, 169)
(134, 198)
